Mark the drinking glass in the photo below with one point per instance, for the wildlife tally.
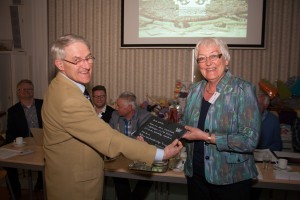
(266, 161)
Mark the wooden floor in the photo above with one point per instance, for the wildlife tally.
(25, 192)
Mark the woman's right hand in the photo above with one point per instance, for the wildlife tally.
(194, 134)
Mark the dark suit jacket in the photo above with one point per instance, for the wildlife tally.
(107, 115)
(16, 121)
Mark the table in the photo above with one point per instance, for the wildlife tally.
(33, 161)
(269, 181)
(119, 168)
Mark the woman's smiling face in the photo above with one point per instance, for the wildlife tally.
(213, 63)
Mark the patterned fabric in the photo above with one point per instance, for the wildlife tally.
(235, 120)
(87, 95)
(296, 135)
(31, 116)
(17, 125)
(270, 137)
(106, 115)
(128, 127)
(138, 119)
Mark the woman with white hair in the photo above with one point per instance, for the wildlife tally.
(223, 123)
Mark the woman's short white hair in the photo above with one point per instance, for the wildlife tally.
(212, 42)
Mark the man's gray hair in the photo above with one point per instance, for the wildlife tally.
(130, 97)
(25, 81)
(58, 47)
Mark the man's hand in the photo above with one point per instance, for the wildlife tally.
(172, 149)
(140, 138)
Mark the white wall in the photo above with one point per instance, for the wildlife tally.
(31, 61)
(5, 32)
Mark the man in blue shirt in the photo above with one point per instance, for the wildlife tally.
(127, 119)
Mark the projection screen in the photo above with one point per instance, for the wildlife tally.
(181, 23)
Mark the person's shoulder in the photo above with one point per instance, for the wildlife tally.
(143, 114)
(242, 84)
(273, 115)
(142, 111)
(114, 117)
(195, 85)
(109, 108)
(115, 114)
(40, 101)
(17, 106)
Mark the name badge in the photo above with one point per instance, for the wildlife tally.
(214, 97)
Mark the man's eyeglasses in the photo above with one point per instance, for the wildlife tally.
(26, 89)
(99, 97)
(214, 57)
(79, 61)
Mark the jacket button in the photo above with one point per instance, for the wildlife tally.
(206, 130)
(206, 157)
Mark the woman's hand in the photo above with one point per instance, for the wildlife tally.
(194, 134)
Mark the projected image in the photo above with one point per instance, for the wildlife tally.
(180, 23)
(192, 18)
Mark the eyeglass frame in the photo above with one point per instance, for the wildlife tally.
(25, 89)
(213, 57)
(92, 58)
(99, 97)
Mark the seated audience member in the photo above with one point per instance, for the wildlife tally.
(103, 110)
(296, 134)
(127, 119)
(270, 127)
(21, 117)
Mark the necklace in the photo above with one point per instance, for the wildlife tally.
(206, 89)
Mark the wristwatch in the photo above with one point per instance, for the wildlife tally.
(209, 138)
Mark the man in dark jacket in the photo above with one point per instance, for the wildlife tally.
(127, 119)
(21, 117)
(103, 110)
